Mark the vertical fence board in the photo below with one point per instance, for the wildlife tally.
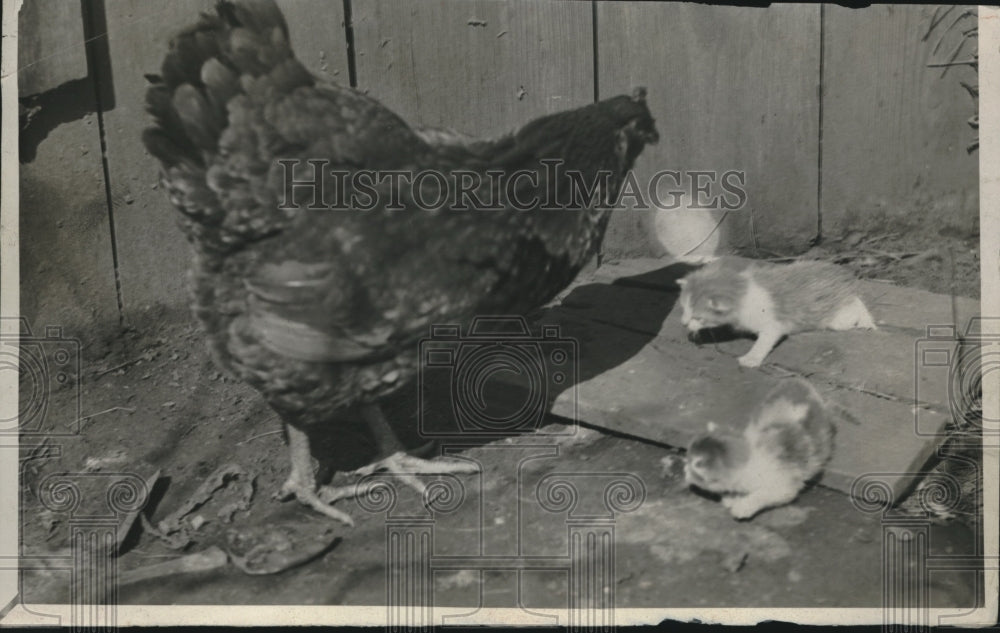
(894, 130)
(482, 67)
(50, 45)
(152, 253)
(67, 271)
(66, 265)
(316, 30)
(731, 88)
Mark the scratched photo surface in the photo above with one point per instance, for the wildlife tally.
(470, 305)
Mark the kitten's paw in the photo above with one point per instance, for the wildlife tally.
(749, 360)
(743, 507)
(727, 501)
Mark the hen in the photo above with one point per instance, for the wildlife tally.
(320, 306)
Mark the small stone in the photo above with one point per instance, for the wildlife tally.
(169, 404)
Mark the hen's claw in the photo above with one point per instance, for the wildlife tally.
(402, 466)
(402, 463)
(307, 496)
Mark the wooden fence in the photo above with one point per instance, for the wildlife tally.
(831, 113)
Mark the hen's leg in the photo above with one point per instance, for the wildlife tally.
(301, 482)
(395, 460)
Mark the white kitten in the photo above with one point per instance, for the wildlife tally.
(787, 442)
(771, 300)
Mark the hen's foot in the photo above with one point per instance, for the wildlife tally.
(402, 466)
(307, 495)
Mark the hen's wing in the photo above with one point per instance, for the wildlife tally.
(241, 126)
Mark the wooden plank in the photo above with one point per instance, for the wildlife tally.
(50, 46)
(894, 131)
(152, 253)
(481, 68)
(731, 88)
(638, 375)
(67, 271)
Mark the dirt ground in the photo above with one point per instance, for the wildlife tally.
(153, 401)
(944, 261)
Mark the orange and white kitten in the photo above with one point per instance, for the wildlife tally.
(787, 442)
(771, 300)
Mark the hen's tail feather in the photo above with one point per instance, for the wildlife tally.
(202, 72)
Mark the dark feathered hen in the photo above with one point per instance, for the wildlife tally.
(320, 305)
